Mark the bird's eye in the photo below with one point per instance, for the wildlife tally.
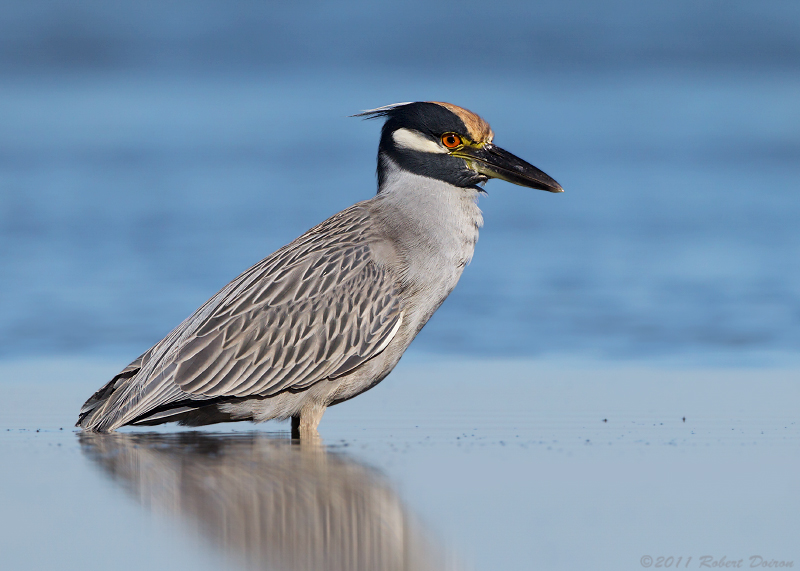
(451, 140)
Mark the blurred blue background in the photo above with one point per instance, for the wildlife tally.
(150, 152)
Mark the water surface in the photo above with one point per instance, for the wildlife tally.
(471, 465)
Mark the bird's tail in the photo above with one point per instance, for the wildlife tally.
(91, 412)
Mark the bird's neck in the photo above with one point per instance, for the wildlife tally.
(434, 219)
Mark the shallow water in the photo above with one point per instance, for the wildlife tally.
(447, 465)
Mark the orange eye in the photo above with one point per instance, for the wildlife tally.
(451, 140)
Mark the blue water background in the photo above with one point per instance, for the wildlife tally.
(150, 152)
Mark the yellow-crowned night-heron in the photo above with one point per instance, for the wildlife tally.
(329, 315)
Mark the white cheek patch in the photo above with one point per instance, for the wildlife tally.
(416, 141)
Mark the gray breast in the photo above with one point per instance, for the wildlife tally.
(434, 227)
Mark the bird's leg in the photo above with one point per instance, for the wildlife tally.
(305, 422)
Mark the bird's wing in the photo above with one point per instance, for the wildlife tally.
(326, 314)
(314, 310)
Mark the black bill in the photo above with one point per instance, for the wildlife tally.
(494, 162)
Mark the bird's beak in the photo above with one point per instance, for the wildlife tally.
(495, 162)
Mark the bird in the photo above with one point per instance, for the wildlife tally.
(329, 315)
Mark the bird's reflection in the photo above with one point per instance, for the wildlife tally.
(268, 502)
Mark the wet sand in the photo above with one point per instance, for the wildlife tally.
(445, 465)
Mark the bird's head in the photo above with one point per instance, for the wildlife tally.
(449, 143)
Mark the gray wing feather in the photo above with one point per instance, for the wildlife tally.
(269, 347)
(314, 310)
